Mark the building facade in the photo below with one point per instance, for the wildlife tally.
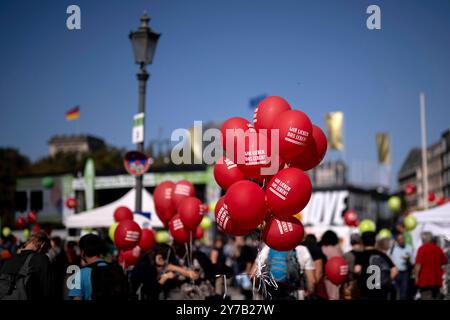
(446, 163)
(438, 167)
(74, 143)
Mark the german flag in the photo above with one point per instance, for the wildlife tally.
(73, 114)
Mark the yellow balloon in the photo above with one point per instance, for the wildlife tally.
(206, 223)
(112, 230)
(298, 216)
(26, 233)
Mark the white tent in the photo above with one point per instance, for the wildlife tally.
(435, 220)
(104, 216)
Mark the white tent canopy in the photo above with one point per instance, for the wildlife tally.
(435, 220)
(104, 216)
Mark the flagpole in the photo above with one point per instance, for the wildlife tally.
(424, 150)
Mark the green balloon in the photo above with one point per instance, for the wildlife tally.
(6, 231)
(384, 234)
(394, 203)
(206, 223)
(47, 182)
(367, 225)
(26, 233)
(162, 237)
(112, 230)
(410, 222)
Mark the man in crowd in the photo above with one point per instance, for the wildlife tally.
(351, 256)
(402, 255)
(99, 280)
(376, 270)
(428, 270)
(292, 270)
(36, 281)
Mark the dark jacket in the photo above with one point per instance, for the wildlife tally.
(41, 283)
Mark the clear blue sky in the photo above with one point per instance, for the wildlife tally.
(213, 56)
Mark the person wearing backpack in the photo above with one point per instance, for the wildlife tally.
(28, 275)
(375, 269)
(293, 272)
(99, 280)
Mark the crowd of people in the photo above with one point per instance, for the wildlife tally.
(229, 268)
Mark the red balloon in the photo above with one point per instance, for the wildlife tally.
(257, 155)
(177, 230)
(440, 201)
(199, 233)
(191, 212)
(314, 151)
(36, 228)
(295, 131)
(32, 217)
(336, 270)
(410, 189)
(224, 221)
(127, 235)
(283, 235)
(226, 172)
(147, 240)
(5, 254)
(21, 223)
(162, 196)
(431, 196)
(288, 192)
(183, 189)
(267, 110)
(246, 204)
(71, 203)
(123, 213)
(351, 218)
(232, 131)
(130, 257)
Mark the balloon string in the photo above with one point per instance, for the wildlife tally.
(188, 256)
(265, 278)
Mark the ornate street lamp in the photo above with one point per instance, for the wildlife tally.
(144, 42)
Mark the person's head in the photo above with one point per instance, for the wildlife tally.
(355, 240)
(161, 254)
(427, 237)
(310, 240)
(218, 243)
(329, 238)
(91, 247)
(368, 239)
(383, 244)
(56, 242)
(240, 241)
(38, 242)
(401, 240)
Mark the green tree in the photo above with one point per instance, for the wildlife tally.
(12, 164)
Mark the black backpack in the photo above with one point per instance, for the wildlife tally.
(14, 286)
(109, 282)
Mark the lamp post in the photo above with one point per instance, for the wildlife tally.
(144, 42)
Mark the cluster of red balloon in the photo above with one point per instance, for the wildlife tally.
(252, 196)
(129, 238)
(179, 209)
(29, 221)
